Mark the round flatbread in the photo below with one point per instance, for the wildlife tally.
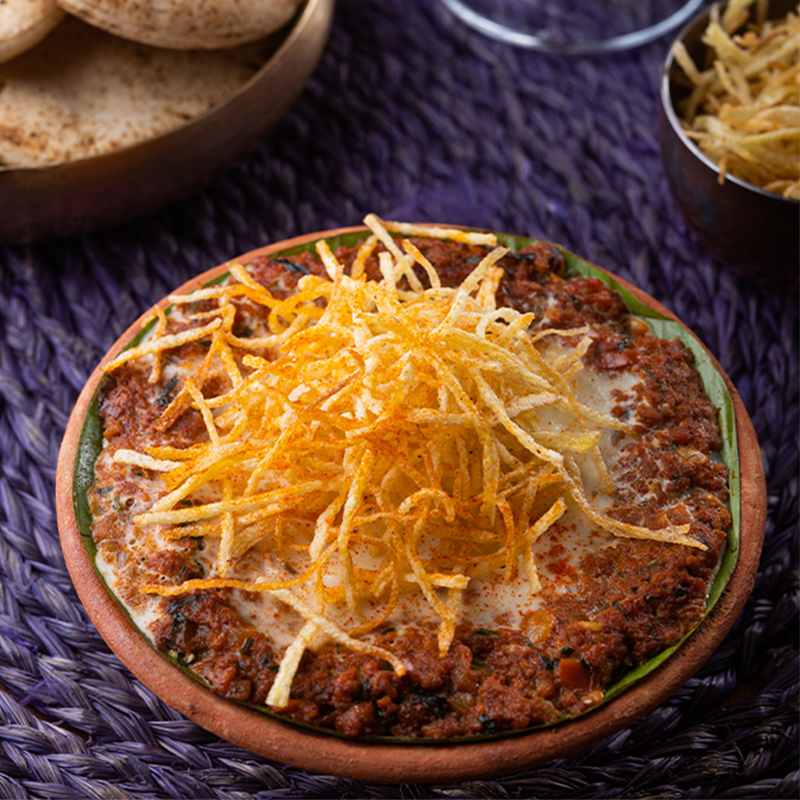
(185, 24)
(24, 23)
(82, 92)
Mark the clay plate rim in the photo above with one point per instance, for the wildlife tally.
(402, 763)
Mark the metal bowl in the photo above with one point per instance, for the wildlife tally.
(401, 762)
(754, 232)
(83, 195)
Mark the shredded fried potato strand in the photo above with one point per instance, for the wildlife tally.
(389, 439)
(278, 695)
(162, 343)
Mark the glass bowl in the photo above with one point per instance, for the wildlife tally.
(574, 26)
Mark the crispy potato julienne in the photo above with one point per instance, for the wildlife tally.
(744, 110)
(393, 442)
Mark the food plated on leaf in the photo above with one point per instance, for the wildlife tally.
(409, 484)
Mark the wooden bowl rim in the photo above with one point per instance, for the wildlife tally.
(426, 762)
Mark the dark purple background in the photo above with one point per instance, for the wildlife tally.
(411, 116)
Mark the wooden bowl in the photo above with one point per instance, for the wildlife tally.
(754, 232)
(80, 196)
(386, 761)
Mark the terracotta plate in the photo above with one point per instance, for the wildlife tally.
(426, 761)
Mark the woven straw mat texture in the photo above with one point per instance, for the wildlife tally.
(414, 117)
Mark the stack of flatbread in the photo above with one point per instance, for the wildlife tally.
(84, 77)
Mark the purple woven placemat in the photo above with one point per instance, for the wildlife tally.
(411, 116)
